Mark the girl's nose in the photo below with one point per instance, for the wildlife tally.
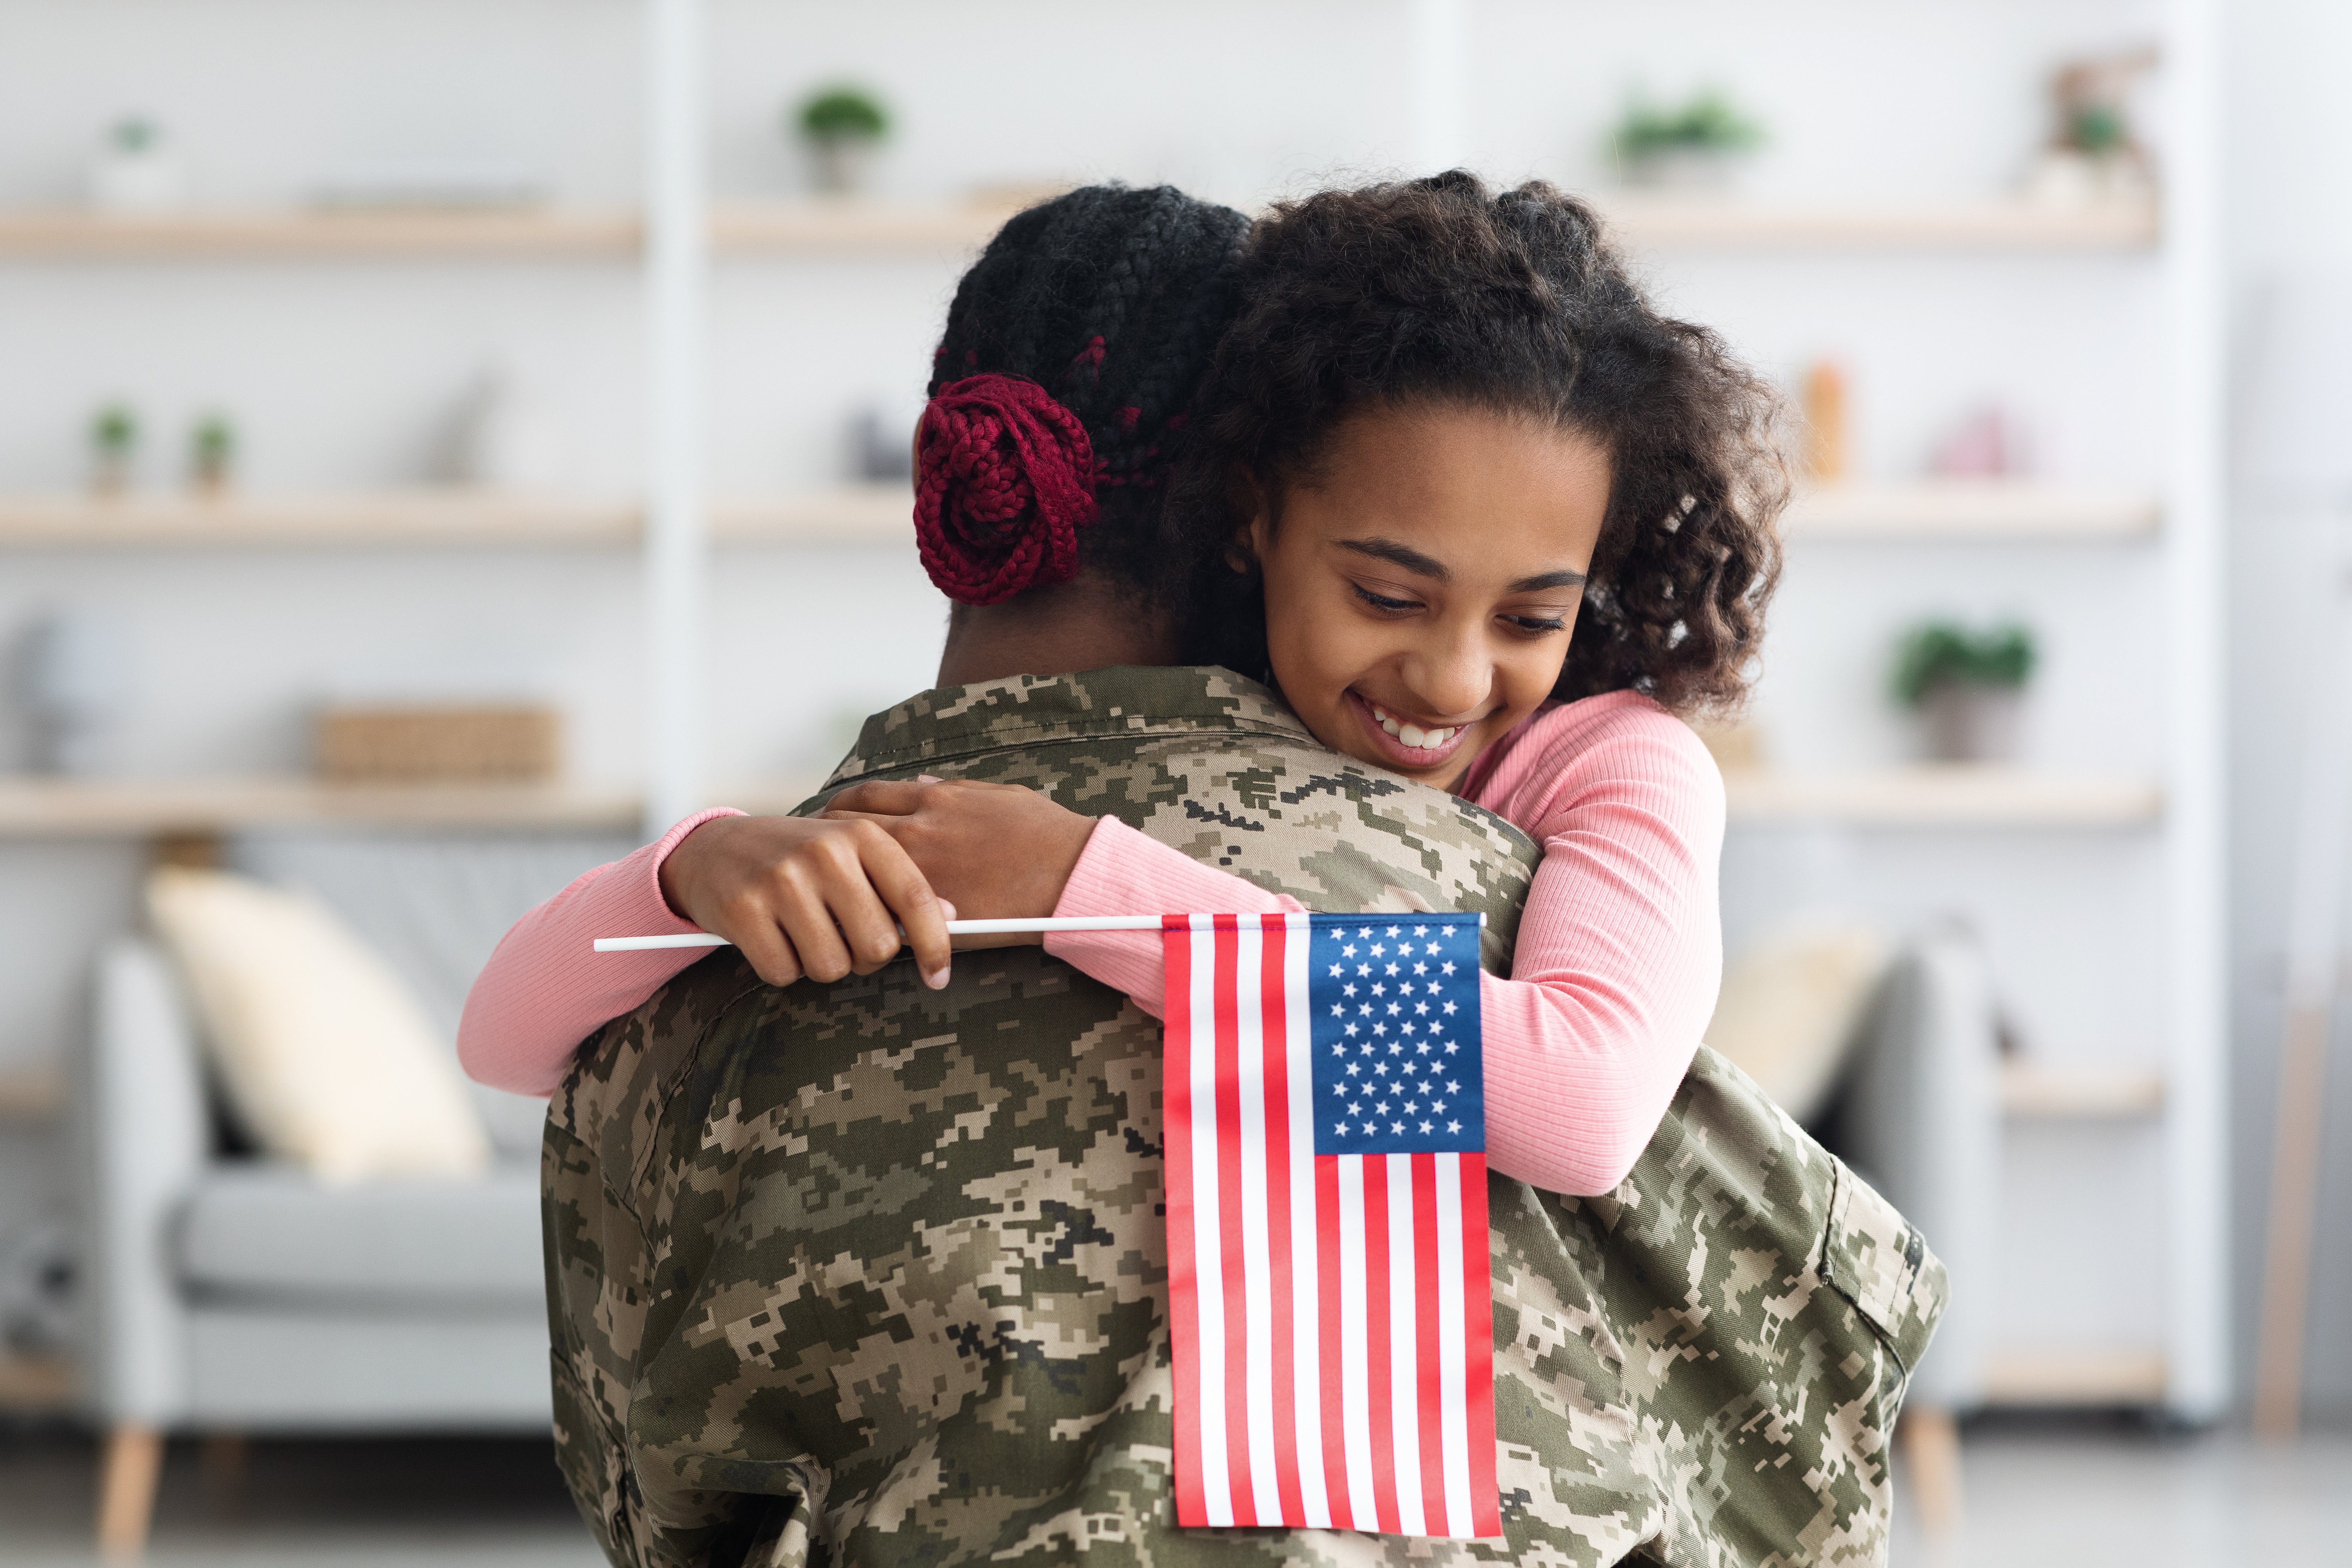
(1451, 680)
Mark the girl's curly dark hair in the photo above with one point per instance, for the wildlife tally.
(1438, 291)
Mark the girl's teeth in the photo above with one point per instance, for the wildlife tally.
(1411, 735)
(1439, 737)
(1389, 724)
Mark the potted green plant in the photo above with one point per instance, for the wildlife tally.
(1695, 147)
(1967, 687)
(212, 454)
(113, 448)
(841, 126)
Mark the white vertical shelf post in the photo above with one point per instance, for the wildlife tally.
(678, 244)
(1441, 86)
(2196, 1155)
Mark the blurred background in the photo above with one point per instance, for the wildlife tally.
(442, 442)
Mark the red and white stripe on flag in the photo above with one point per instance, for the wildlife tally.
(1326, 1224)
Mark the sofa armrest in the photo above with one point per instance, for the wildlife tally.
(1924, 1125)
(142, 1138)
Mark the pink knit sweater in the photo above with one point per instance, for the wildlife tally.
(1619, 954)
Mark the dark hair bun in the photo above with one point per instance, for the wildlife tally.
(1103, 307)
(1004, 477)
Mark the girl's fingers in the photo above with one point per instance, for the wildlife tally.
(922, 913)
(883, 797)
(803, 908)
(769, 951)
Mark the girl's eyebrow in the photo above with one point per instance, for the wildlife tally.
(1414, 561)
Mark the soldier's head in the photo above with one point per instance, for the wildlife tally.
(1060, 390)
(1446, 431)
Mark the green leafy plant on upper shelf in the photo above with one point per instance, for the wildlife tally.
(1943, 652)
(1708, 123)
(844, 114)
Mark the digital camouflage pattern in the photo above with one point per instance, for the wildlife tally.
(871, 1273)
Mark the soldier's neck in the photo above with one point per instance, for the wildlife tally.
(1083, 624)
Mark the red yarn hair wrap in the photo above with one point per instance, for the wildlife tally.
(1004, 477)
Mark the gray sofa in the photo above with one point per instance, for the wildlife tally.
(231, 1295)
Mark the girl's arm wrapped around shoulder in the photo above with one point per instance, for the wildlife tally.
(545, 989)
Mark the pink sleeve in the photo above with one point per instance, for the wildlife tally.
(546, 989)
(1620, 948)
(1124, 873)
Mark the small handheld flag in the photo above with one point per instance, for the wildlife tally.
(1326, 1224)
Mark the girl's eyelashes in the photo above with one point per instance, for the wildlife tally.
(1382, 601)
(1537, 625)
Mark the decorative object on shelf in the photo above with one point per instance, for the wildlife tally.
(881, 452)
(77, 684)
(1697, 147)
(212, 454)
(1967, 687)
(439, 743)
(841, 127)
(2092, 156)
(135, 171)
(1828, 423)
(506, 439)
(113, 448)
(1989, 444)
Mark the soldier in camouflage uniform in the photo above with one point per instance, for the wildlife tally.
(867, 1273)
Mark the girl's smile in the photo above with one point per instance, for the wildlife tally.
(1421, 583)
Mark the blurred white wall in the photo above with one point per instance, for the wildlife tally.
(2290, 162)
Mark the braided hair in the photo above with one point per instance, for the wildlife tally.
(1437, 290)
(1060, 390)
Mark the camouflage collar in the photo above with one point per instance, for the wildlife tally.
(1025, 711)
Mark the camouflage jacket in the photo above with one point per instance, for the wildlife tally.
(870, 1274)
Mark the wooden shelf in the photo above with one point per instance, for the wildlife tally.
(857, 227)
(432, 519)
(143, 808)
(93, 808)
(2095, 1377)
(2038, 1092)
(1727, 222)
(1972, 509)
(316, 234)
(1942, 796)
(299, 234)
(868, 227)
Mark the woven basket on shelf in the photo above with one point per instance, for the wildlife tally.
(439, 745)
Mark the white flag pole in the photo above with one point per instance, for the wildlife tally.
(955, 928)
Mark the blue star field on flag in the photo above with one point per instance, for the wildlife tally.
(1394, 1001)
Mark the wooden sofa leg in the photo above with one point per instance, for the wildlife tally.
(126, 1491)
(1931, 1446)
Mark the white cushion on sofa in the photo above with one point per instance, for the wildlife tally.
(264, 1229)
(322, 1052)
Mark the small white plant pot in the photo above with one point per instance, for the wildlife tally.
(1968, 723)
(131, 182)
(842, 166)
(1696, 171)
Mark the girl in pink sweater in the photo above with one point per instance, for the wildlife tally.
(1443, 433)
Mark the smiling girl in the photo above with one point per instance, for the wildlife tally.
(1484, 520)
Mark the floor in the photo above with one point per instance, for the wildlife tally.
(2076, 1493)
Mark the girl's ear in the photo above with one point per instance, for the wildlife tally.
(1250, 505)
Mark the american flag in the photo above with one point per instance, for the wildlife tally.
(1326, 1224)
